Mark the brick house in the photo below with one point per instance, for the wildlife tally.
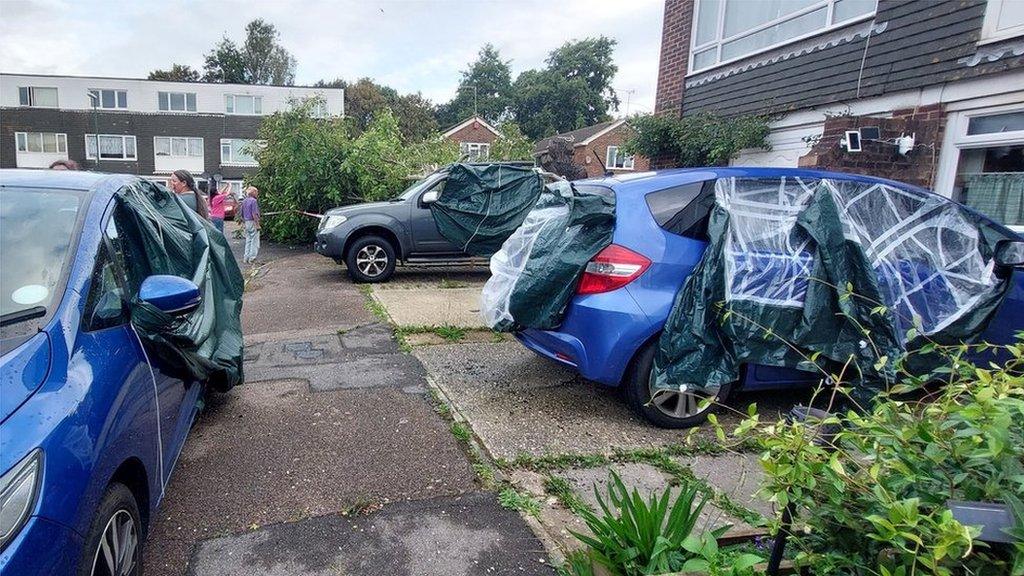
(474, 137)
(943, 78)
(597, 148)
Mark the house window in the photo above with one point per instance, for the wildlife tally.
(475, 150)
(177, 101)
(616, 159)
(38, 97)
(42, 142)
(243, 105)
(237, 151)
(236, 188)
(179, 147)
(727, 30)
(112, 147)
(990, 165)
(109, 98)
(1003, 19)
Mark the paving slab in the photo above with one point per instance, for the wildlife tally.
(432, 306)
(462, 536)
(407, 277)
(737, 475)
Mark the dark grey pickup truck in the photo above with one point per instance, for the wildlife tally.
(371, 239)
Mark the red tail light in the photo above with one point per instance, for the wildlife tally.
(612, 268)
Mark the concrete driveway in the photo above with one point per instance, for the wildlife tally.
(330, 459)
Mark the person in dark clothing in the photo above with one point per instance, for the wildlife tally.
(184, 184)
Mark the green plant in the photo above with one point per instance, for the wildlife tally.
(486, 475)
(515, 500)
(559, 487)
(702, 139)
(461, 431)
(633, 536)
(446, 284)
(873, 496)
(450, 333)
(716, 561)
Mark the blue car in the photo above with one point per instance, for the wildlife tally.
(611, 326)
(90, 428)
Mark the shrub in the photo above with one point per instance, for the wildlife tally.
(699, 140)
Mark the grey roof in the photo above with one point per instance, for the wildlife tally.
(573, 136)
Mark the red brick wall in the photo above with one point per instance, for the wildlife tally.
(926, 123)
(675, 56)
(474, 132)
(584, 155)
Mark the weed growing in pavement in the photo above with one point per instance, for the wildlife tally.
(559, 488)
(461, 431)
(515, 500)
(447, 284)
(486, 475)
(371, 304)
(450, 333)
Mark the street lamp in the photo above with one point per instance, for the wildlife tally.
(95, 97)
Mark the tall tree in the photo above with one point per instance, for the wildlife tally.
(264, 59)
(224, 63)
(177, 73)
(485, 88)
(365, 99)
(573, 91)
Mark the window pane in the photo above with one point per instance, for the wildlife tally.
(162, 146)
(90, 146)
(62, 143)
(163, 100)
(179, 147)
(846, 9)
(225, 152)
(778, 33)
(705, 58)
(122, 99)
(50, 142)
(44, 97)
(195, 147)
(129, 146)
(707, 21)
(609, 156)
(35, 142)
(243, 105)
(23, 97)
(107, 98)
(229, 103)
(22, 144)
(111, 147)
(190, 100)
(996, 124)
(741, 16)
(258, 105)
(177, 101)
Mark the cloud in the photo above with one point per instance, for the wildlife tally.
(413, 46)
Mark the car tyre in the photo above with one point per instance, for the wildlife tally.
(117, 515)
(665, 411)
(370, 259)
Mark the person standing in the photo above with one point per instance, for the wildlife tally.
(217, 206)
(251, 223)
(183, 184)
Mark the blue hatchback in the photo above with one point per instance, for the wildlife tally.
(611, 327)
(90, 428)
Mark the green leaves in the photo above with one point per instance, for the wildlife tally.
(702, 139)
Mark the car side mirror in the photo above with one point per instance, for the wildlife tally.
(430, 197)
(1010, 253)
(170, 294)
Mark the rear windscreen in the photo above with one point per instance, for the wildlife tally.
(683, 209)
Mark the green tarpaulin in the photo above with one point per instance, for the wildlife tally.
(482, 204)
(535, 273)
(164, 236)
(843, 272)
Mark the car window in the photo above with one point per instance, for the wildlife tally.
(685, 209)
(105, 306)
(436, 189)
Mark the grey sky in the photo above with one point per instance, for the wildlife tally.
(411, 46)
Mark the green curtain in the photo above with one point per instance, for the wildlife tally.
(999, 196)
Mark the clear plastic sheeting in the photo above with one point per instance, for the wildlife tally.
(851, 272)
(534, 274)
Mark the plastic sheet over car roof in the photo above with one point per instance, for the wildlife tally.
(830, 269)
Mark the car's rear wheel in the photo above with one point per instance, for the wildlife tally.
(113, 546)
(370, 259)
(666, 409)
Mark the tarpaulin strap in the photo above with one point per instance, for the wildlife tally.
(310, 214)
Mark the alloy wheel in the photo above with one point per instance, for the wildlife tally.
(681, 404)
(118, 550)
(372, 260)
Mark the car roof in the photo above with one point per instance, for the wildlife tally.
(101, 184)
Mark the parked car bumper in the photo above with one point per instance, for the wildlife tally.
(41, 547)
(330, 244)
(598, 338)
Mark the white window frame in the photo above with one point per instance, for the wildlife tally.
(611, 155)
(231, 161)
(236, 194)
(117, 104)
(482, 150)
(124, 146)
(32, 96)
(230, 108)
(61, 140)
(718, 41)
(185, 96)
(190, 141)
(990, 26)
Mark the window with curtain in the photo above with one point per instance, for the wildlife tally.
(991, 181)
